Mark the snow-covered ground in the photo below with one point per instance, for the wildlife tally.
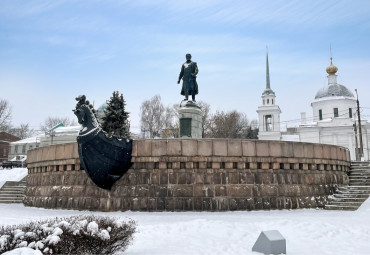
(307, 231)
(15, 174)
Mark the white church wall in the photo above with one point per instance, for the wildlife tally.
(309, 135)
(327, 106)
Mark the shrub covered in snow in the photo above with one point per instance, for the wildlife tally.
(73, 235)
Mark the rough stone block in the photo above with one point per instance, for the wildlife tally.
(179, 204)
(333, 152)
(228, 165)
(220, 191)
(203, 191)
(68, 150)
(164, 177)
(268, 190)
(144, 148)
(275, 165)
(189, 165)
(326, 151)
(308, 150)
(221, 204)
(38, 156)
(174, 147)
(48, 153)
(198, 204)
(205, 147)
(318, 151)
(75, 151)
(339, 153)
(134, 148)
(347, 157)
(217, 178)
(154, 178)
(344, 154)
(189, 147)
(206, 204)
(275, 149)
(216, 165)
(159, 148)
(240, 190)
(183, 177)
(234, 148)
(183, 191)
(298, 150)
(287, 149)
(266, 203)
(170, 204)
(220, 147)
(59, 153)
(31, 156)
(233, 204)
(233, 177)
(265, 166)
(262, 148)
(249, 148)
(208, 178)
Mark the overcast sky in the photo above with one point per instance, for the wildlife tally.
(53, 51)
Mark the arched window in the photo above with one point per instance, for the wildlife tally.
(268, 101)
(268, 123)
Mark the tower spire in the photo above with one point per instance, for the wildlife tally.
(267, 70)
(268, 89)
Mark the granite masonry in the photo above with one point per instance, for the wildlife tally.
(193, 175)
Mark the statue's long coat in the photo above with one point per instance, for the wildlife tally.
(194, 70)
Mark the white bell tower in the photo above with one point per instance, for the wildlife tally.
(268, 112)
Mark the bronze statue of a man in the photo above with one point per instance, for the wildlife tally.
(188, 74)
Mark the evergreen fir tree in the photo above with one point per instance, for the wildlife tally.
(115, 121)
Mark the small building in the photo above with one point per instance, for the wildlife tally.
(59, 135)
(5, 140)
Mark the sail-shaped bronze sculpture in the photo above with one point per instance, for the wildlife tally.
(105, 159)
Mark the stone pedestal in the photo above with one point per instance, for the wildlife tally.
(190, 116)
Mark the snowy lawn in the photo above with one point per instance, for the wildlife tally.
(15, 174)
(306, 231)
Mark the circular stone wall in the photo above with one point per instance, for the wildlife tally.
(193, 175)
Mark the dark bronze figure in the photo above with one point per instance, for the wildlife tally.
(188, 74)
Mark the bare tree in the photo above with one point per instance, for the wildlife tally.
(152, 116)
(206, 111)
(171, 122)
(23, 131)
(50, 122)
(5, 115)
(231, 125)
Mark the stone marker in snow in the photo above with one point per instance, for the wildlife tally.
(270, 242)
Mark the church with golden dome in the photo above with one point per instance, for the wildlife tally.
(334, 111)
